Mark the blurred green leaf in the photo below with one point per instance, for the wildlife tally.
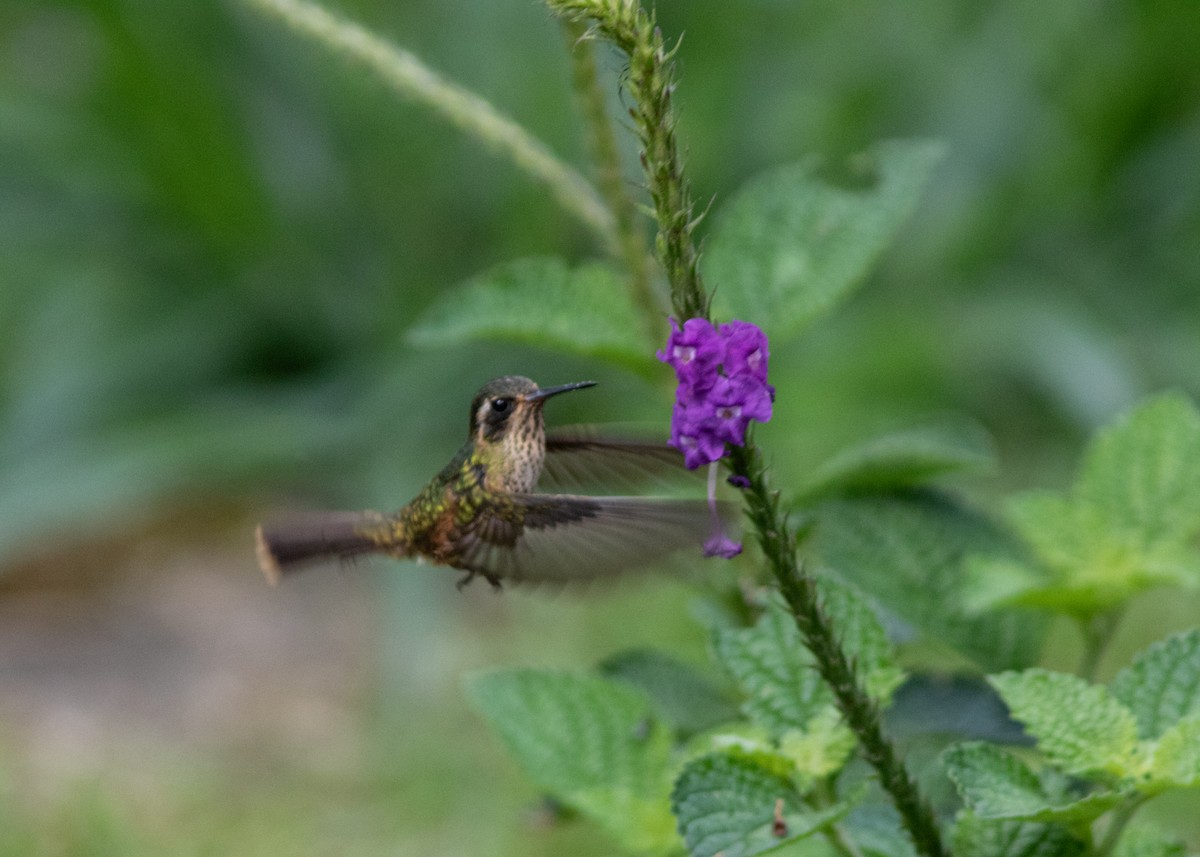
(582, 310)
(1129, 523)
(902, 459)
(987, 837)
(907, 550)
(594, 744)
(995, 784)
(1078, 726)
(1176, 759)
(1143, 840)
(793, 243)
(731, 805)
(1162, 685)
(686, 698)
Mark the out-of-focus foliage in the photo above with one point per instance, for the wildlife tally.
(215, 242)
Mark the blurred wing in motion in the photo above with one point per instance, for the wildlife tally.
(561, 537)
(584, 458)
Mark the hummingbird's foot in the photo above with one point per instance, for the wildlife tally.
(494, 581)
(471, 574)
(464, 580)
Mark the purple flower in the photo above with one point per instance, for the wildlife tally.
(695, 351)
(745, 350)
(722, 546)
(722, 376)
(737, 401)
(693, 432)
(738, 481)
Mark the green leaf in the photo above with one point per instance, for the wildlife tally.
(987, 837)
(791, 243)
(686, 698)
(583, 310)
(1144, 840)
(1079, 726)
(908, 551)
(1143, 472)
(733, 806)
(774, 670)
(1162, 685)
(592, 743)
(902, 458)
(1176, 759)
(1129, 523)
(995, 784)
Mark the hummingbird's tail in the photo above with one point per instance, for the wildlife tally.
(289, 545)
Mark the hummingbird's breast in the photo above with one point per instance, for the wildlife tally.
(518, 464)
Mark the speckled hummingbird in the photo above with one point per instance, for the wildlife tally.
(481, 513)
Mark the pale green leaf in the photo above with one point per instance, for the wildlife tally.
(593, 743)
(1078, 726)
(903, 458)
(541, 301)
(1162, 685)
(792, 243)
(990, 837)
(1176, 759)
(733, 806)
(1130, 522)
(1144, 840)
(1144, 471)
(996, 784)
(908, 551)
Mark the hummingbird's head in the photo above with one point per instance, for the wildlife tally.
(508, 407)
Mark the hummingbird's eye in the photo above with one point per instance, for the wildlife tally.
(501, 406)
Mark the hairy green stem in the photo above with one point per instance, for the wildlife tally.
(649, 84)
(778, 542)
(467, 111)
(602, 145)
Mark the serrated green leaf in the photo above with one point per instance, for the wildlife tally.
(791, 244)
(1176, 758)
(989, 837)
(583, 310)
(685, 697)
(901, 459)
(593, 743)
(1143, 472)
(774, 670)
(1129, 523)
(908, 552)
(1162, 685)
(1078, 726)
(996, 784)
(731, 805)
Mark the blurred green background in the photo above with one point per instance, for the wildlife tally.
(213, 238)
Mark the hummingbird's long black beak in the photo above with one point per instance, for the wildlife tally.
(547, 392)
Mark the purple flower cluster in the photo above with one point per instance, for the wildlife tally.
(723, 385)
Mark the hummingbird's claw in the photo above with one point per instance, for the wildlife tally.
(464, 580)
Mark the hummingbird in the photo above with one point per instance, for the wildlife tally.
(482, 514)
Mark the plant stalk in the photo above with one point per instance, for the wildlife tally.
(602, 145)
(465, 110)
